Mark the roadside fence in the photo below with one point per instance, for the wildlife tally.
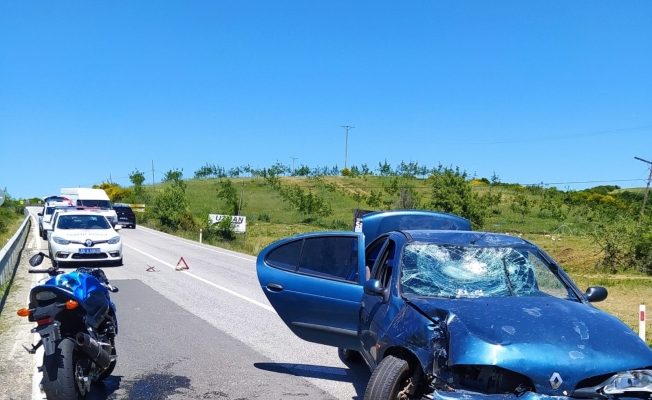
(10, 252)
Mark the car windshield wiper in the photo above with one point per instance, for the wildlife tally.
(509, 281)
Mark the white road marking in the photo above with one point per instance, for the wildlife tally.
(190, 243)
(234, 293)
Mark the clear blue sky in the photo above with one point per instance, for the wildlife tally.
(551, 92)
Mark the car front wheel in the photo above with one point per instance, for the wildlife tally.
(389, 381)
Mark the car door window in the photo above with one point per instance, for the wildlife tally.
(385, 264)
(333, 257)
(330, 257)
(285, 256)
(371, 254)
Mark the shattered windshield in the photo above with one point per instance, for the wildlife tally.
(471, 272)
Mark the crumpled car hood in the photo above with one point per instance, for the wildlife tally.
(538, 336)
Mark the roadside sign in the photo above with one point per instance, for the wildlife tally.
(238, 222)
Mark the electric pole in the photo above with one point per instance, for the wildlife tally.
(346, 143)
(647, 188)
(293, 158)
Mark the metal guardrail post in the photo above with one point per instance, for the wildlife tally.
(11, 251)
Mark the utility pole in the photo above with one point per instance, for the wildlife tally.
(647, 188)
(153, 184)
(293, 158)
(346, 144)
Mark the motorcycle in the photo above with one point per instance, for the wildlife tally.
(77, 323)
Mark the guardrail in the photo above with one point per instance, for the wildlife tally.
(10, 252)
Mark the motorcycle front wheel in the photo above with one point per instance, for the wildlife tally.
(63, 373)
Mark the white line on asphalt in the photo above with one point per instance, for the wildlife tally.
(189, 242)
(236, 294)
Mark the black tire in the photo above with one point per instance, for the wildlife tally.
(389, 378)
(59, 380)
(351, 356)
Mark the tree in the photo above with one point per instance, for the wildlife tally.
(170, 207)
(114, 191)
(452, 193)
(521, 204)
(228, 192)
(173, 175)
(137, 178)
(384, 169)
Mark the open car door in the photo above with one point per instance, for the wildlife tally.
(314, 282)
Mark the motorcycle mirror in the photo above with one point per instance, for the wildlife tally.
(36, 259)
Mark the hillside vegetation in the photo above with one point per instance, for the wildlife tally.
(598, 235)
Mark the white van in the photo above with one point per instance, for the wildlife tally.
(93, 198)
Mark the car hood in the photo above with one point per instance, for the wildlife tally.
(538, 337)
(83, 234)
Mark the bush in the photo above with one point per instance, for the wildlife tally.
(170, 206)
(641, 252)
(224, 229)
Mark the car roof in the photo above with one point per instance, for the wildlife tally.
(375, 224)
(482, 239)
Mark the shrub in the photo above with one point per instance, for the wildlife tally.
(169, 206)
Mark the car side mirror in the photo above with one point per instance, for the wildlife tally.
(40, 214)
(374, 287)
(596, 293)
(36, 259)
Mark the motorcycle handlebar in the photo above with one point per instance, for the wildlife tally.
(39, 271)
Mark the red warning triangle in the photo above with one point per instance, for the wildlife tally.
(184, 266)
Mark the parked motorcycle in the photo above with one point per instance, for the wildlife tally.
(77, 322)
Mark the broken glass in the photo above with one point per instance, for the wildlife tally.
(471, 272)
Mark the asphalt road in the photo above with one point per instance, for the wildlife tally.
(207, 332)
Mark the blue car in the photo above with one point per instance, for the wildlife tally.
(438, 311)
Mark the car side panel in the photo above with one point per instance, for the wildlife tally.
(315, 308)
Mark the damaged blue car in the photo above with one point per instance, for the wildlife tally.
(438, 311)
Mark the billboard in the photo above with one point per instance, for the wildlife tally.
(238, 222)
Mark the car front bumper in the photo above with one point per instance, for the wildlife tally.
(78, 253)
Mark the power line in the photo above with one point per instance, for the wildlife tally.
(552, 138)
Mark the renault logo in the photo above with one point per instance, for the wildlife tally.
(555, 380)
(88, 243)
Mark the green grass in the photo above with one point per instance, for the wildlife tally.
(566, 241)
(12, 227)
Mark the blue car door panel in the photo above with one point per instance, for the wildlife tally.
(314, 282)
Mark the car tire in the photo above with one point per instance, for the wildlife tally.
(351, 356)
(389, 378)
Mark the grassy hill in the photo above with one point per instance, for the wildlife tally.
(271, 216)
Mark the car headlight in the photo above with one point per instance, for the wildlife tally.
(114, 240)
(59, 240)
